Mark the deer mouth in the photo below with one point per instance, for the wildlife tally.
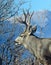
(16, 42)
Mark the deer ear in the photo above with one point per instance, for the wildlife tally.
(34, 28)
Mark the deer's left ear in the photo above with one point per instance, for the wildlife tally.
(34, 28)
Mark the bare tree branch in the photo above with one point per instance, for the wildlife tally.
(9, 9)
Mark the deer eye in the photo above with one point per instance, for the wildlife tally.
(21, 36)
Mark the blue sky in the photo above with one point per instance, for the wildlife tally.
(37, 5)
(41, 5)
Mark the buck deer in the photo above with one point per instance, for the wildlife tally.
(40, 47)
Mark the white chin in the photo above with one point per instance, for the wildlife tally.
(25, 46)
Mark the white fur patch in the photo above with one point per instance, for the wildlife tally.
(50, 48)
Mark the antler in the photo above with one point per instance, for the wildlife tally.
(26, 20)
(31, 14)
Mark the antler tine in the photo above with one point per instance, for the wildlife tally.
(24, 12)
(24, 16)
(28, 12)
(31, 14)
(20, 20)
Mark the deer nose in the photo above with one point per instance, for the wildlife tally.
(17, 43)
